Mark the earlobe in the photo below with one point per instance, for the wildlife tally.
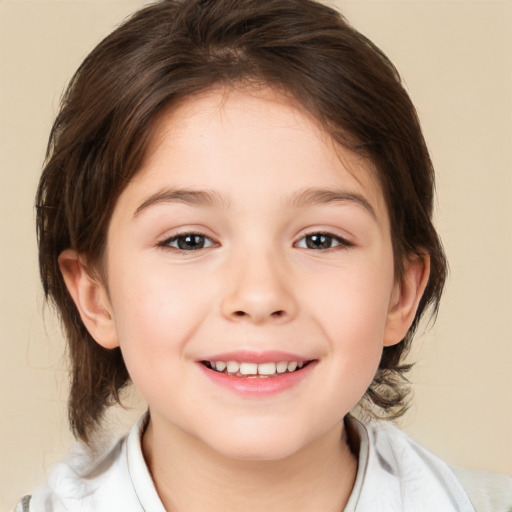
(90, 298)
(405, 299)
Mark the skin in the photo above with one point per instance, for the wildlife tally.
(255, 286)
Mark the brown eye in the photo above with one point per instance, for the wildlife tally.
(321, 241)
(188, 242)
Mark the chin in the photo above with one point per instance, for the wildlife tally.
(257, 444)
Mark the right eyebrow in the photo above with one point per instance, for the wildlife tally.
(192, 197)
(314, 196)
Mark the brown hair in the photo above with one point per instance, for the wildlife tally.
(172, 49)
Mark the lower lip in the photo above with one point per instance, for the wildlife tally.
(258, 386)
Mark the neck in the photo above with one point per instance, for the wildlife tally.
(191, 477)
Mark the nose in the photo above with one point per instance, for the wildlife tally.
(258, 290)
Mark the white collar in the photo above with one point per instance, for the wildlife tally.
(139, 472)
(394, 473)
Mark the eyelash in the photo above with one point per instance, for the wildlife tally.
(177, 238)
(328, 237)
(341, 242)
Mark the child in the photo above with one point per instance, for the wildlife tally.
(235, 214)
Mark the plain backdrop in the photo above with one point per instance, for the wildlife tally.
(455, 58)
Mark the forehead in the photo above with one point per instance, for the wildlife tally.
(245, 142)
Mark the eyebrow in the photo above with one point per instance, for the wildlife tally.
(210, 198)
(319, 196)
(205, 198)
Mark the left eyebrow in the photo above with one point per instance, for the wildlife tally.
(317, 196)
(191, 197)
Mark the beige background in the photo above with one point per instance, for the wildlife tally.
(455, 57)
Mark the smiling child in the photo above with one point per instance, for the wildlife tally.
(235, 215)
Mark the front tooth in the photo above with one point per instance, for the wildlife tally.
(248, 368)
(292, 366)
(282, 367)
(233, 366)
(267, 368)
(220, 366)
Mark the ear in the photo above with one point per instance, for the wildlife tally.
(90, 297)
(405, 298)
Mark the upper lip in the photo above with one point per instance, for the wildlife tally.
(258, 357)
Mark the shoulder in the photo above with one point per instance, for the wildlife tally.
(423, 477)
(81, 482)
(399, 474)
(113, 478)
(23, 505)
(86, 481)
(487, 490)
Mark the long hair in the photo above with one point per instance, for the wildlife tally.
(173, 49)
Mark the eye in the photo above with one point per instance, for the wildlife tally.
(322, 241)
(188, 242)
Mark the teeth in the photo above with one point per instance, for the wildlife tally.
(267, 369)
(220, 366)
(233, 366)
(249, 369)
(292, 366)
(282, 367)
(253, 369)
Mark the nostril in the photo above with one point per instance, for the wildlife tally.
(275, 314)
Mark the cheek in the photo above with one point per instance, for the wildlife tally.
(155, 314)
(356, 339)
(354, 299)
(352, 310)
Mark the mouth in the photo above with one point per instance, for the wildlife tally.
(256, 370)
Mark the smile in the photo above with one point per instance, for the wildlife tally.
(261, 370)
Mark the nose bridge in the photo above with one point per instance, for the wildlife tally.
(258, 287)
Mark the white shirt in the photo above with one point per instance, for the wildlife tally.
(394, 474)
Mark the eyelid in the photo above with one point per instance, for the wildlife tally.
(342, 241)
(165, 243)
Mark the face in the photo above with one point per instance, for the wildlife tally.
(250, 275)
